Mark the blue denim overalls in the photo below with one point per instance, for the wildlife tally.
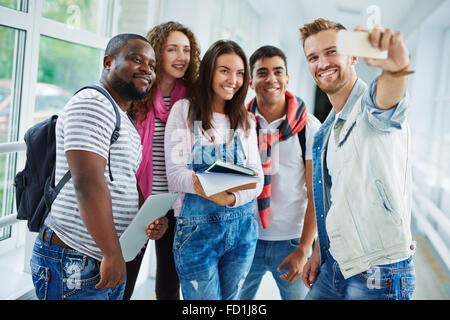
(213, 245)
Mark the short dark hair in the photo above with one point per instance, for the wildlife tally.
(266, 52)
(119, 41)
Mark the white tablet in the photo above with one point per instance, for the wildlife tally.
(134, 237)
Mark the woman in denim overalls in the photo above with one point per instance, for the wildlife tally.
(215, 236)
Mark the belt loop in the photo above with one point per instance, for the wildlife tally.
(48, 237)
(41, 233)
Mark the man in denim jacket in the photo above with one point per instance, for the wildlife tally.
(361, 172)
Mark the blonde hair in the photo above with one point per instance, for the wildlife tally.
(316, 26)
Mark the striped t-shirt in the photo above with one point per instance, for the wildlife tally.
(87, 123)
(159, 184)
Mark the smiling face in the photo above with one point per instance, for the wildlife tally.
(228, 77)
(176, 55)
(330, 71)
(132, 70)
(270, 81)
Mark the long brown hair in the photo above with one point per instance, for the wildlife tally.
(201, 107)
(157, 37)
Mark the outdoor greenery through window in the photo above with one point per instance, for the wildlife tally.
(7, 40)
(13, 4)
(7, 43)
(63, 68)
(79, 14)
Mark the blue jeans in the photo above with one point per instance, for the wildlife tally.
(213, 254)
(394, 281)
(59, 273)
(268, 256)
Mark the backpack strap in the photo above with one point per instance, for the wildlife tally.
(115, 135)
(302, 139)
(51, 193)
(51, 124)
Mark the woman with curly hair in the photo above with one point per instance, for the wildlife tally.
(177, 61)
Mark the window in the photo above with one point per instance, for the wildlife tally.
(78, 14)
(240, 22)
(8, 39)
(63, 68)
(13, 4)
(48, 50)
(137, 16)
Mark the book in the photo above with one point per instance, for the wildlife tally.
(228, 167)
(134, 237)
(215, 182)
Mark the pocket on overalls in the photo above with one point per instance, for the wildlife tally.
(41, 277)
(182, 234)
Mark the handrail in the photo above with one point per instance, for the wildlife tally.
(431, 211)
(12, 147)
(8, 220)
(432, 222)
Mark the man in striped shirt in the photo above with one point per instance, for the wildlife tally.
(77, 254)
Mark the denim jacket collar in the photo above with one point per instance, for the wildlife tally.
(357, 91)
(347, 116)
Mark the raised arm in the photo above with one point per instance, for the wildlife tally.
(393, 81)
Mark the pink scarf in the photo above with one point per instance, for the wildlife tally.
(146, 130)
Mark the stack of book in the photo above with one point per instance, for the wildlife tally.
(221, 176)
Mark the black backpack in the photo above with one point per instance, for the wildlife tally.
(35, 184)
(302, 139)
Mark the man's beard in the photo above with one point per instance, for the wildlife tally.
(128, 90)
(344, 76)
(331, 90)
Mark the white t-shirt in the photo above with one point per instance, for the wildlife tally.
(289, 196)
(87, 123)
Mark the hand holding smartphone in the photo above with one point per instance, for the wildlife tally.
(356, 43)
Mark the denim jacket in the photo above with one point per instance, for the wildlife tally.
(369, 221)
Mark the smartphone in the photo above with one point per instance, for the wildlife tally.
(356, 43)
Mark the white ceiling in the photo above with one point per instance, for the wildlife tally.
(402, 15)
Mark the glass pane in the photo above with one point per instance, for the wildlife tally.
(5, 232)
(7, 48)
(135, 16)
(63, 68)
(79, 14)
(13, 4)
(7, 42)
